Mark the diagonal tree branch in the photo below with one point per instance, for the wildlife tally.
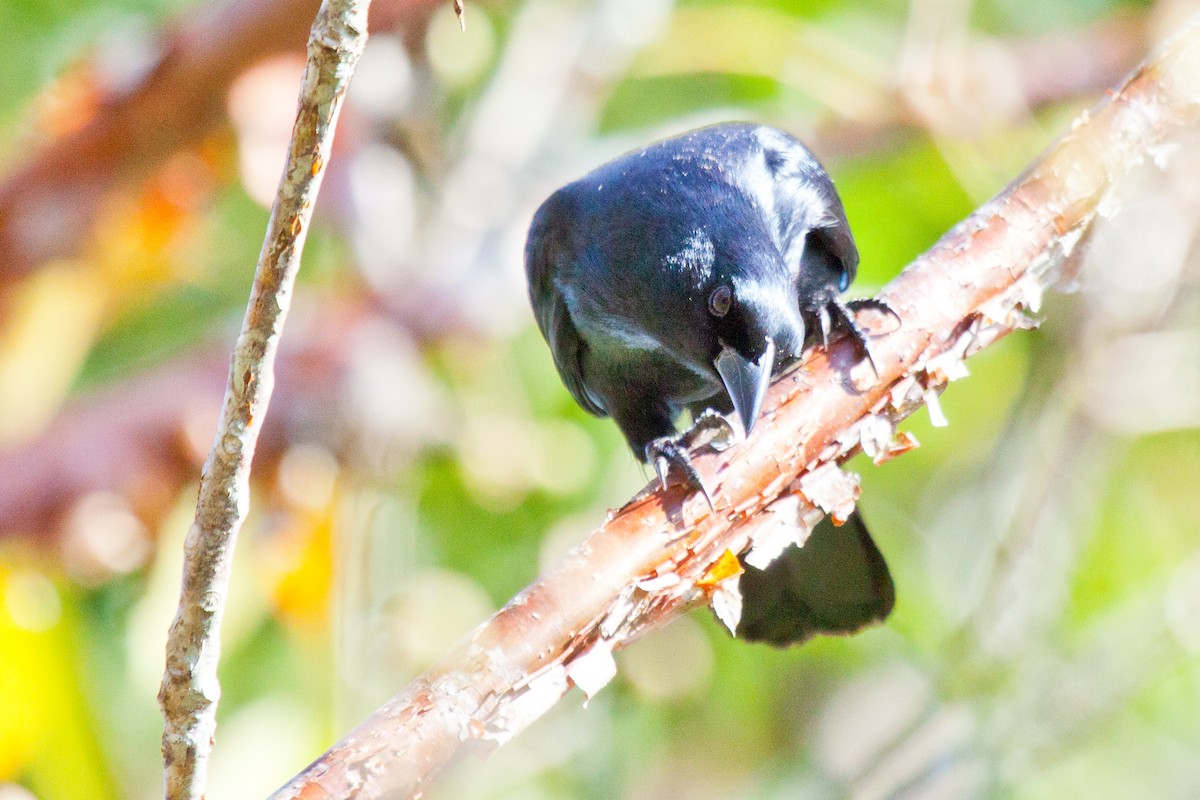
(190, 690)
(656, 556)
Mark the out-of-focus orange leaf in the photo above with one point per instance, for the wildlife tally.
(145, 239)
(301, 591)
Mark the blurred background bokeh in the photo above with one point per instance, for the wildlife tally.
(421, 460)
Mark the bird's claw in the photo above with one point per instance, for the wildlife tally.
(711, 428)
(875, 304)
(671, 451)
(843, 316)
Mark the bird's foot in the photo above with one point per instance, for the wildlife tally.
(842, 316)
(713, 429)
(666, 452)
(874, 304)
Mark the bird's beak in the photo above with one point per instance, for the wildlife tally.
(746, 381)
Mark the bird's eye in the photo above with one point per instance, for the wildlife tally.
(720, 300)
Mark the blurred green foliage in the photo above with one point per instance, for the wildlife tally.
(969, 691)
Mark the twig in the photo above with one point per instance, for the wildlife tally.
(655, 557)
(190, 690)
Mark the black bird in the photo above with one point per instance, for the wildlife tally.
(683, 276)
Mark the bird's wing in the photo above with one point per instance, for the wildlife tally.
(545, 249)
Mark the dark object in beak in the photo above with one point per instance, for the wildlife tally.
(746, 381)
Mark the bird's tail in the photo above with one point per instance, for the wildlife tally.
(837, 583)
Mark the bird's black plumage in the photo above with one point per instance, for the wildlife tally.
(684, 275)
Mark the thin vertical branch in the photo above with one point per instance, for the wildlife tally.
(190, 690)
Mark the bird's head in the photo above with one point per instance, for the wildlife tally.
(755, 326)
